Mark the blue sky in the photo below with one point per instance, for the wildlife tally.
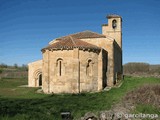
(26, 26)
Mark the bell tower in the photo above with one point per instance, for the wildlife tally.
(113, 29)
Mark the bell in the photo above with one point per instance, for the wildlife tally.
(114, 24)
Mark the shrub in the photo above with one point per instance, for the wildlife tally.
(1, 71)
(2, 65)
(147, 94)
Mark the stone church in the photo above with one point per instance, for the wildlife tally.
(81, 62)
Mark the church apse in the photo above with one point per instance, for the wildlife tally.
(81, 62)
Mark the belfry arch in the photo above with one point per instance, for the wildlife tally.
(38, 77)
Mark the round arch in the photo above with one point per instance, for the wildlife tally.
(38, 77)
(90, 59)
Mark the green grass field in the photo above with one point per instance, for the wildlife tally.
(19, 103)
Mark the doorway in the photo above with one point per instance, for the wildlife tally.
(40, 80)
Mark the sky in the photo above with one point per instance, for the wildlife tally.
(27, 26)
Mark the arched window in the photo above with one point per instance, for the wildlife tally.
(114, 24)
(59, 67)
(89, 68)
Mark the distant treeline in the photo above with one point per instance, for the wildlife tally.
(15, 71)
(136, 68)
(2, 65)
(133, 68)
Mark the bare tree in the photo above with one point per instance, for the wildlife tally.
(136, 68)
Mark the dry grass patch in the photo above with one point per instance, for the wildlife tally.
(147, 94)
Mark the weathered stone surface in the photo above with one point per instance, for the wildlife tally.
(118, 112)
(86, 65)
(35, 69)
(89, 116)
(106, 115)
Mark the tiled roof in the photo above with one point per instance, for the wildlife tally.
(86, 34)
(70, 42)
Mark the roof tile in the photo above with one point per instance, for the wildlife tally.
(70, 42)
(86, 34)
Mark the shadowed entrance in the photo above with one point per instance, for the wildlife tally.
(40, 80)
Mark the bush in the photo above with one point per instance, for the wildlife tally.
(147, 94)
(15, 65)
(1, 71)
(2, 65)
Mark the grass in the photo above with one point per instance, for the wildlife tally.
(147, 109)
(9, 88)
(17, 103)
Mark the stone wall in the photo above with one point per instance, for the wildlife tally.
(117, 62)
(116, 33)
(35, 69)
(74, 70)
(88, 71)
(114, 57)
(73, 76)
(105, 66)
(107, 45)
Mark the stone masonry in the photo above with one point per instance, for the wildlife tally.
(80, 62)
